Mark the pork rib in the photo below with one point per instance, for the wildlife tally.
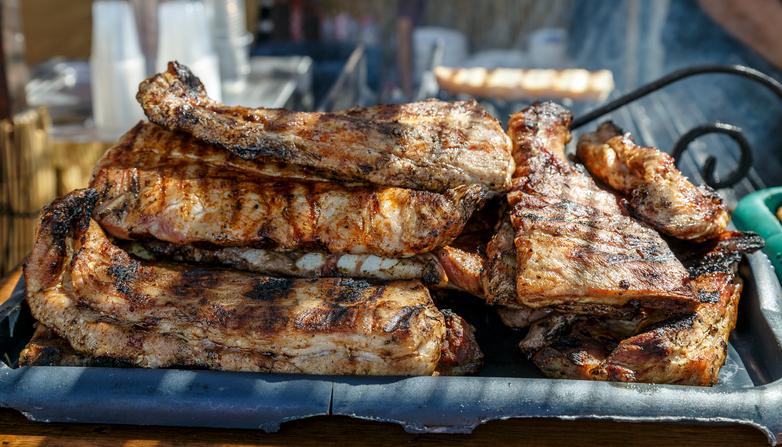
(683, 349)
(429, 145)
(154, 185)
(658, 193)
(107, 303)
(574, 248)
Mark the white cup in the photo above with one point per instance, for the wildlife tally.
(117, 67)
(185, 36)
(548, 48)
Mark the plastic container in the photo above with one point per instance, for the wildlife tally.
(548, 47)
(757, 212)
(117, 66)
(185, 35)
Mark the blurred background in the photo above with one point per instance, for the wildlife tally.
(70, 70)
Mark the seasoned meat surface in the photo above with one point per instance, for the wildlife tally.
(499, 274)
(658, 193)
(429, 145)
(571, 254)
(659, 347)
(154, 185)
(574, 248)
(538, 134)
(108, 303)
(46, 348)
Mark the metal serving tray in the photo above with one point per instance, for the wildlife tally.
(508, 386)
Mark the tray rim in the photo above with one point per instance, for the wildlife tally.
(358, 397)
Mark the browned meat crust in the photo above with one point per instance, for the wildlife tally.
(109, 304)
(499, 273)
(48, 349)
(429, 145)
(460, 352)
(462, 268)
(684, 349)
(570, 254)
(153, 185)
(538, 133)
(574, 247)
(658, 193)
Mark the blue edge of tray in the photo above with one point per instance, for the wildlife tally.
(421, 404)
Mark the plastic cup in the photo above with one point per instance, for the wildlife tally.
(185, 36)
(117, 66)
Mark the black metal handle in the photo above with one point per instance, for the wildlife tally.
(747, 156)
(745, 163)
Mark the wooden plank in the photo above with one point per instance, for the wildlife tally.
(15, 430)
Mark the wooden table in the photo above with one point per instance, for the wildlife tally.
(16, 430)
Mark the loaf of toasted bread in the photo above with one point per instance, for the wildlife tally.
(516, 84)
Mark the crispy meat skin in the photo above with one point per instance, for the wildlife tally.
(429, 145)
(153, 184)
(574, 247)
(684, 349)
(658, 193)
(109, 304)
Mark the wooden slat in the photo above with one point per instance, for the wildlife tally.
(326, 431)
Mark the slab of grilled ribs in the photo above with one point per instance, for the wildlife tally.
(657, 192)
(431, 145)
(107, 303)
(566, 244)
(158, 184)
(660, 346)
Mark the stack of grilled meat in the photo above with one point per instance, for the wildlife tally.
(270, 240)
(280, 241)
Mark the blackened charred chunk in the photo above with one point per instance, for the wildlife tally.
(270, 289)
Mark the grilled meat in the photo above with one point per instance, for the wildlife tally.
(569, 254)
(574, 247)
(152, 187)
(429, 145)
(499, 273)
(107, 303)
(661, 347)
(299, 264)
(462, 268)
(658, 193)
(538, 134)
(46, 348)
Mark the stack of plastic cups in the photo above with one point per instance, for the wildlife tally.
(232, 44)
(117, 67)
(185, 36)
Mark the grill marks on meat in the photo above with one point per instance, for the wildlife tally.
(661, 347)
(658, 193)
(429, 145)
(154, 187)
(570, 254)
(538, 134)
(574, 247)
(109, 304)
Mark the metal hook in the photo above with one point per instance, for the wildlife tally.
(745, 163)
